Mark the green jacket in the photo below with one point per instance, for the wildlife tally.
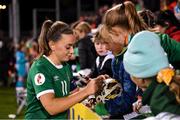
(160, 99)
(172, 48)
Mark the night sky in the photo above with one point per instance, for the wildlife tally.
(67, 11)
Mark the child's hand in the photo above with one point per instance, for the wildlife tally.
(137, 105)
(102, 77)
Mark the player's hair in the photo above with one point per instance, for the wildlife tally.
(51, 32)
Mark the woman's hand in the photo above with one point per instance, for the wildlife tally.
(95, 84)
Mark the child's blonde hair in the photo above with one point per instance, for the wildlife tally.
(97, 37)
(125, 16)
(103, 33)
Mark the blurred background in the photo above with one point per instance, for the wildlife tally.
(20, 22)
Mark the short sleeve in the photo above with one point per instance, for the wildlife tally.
(42, 82)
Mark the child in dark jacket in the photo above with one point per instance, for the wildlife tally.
(104, 59)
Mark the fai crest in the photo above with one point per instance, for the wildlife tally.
(39, 79)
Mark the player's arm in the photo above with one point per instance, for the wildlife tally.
(57, 105)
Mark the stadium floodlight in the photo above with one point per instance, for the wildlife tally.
(2, 6)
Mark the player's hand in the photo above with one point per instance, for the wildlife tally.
(95, 84)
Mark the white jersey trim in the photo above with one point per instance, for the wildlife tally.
(57, 66)
(44, 92)
(63, 87)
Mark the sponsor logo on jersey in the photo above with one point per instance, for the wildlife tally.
(56, 78)
(39, 79)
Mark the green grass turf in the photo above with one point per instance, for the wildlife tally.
(8, 103)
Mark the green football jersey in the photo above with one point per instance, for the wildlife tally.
(44, 77)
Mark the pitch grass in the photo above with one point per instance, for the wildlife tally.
(8, 103)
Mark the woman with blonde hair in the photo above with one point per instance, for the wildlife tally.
(123, 22)
(86, 49)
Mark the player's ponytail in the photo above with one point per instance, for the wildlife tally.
(42, 40)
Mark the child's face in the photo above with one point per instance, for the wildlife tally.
(101, 48)
(141, 83)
